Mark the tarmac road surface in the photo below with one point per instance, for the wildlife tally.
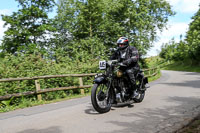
(170, 103)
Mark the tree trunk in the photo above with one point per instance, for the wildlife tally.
(90, 27)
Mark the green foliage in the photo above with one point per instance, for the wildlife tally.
(168, 50)
(180, 66)
(154, 61)
(193, 37)
(26, 65)
(6, 103)
(28, 27)
(108, 20)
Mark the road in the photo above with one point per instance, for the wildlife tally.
(170, 103)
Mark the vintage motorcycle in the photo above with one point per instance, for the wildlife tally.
(113, 86)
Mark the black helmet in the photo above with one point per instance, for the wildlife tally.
(122, 43)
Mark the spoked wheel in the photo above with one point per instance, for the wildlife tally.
(100, 98)
(140, 97)
(140, 91)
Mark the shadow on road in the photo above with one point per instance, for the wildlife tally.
(192, 73)
(53, 129)
(92, 111)
(193, 84)
(167, 119)
(122, 105)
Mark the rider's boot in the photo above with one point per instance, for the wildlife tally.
(147, 85)
(135, 94)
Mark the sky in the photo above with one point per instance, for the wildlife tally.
(176, 26)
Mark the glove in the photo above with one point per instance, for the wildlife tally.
(121, 64)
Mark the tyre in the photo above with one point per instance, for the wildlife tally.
(140, 90)
(140, 97)
(100, 98)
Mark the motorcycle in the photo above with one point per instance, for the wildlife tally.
(113, 86)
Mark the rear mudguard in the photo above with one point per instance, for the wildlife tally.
(100, 80)
(145, 80)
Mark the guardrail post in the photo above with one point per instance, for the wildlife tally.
(149, 72)
(37, 84)
(81, 84)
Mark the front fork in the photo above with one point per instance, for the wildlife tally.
(111, 92)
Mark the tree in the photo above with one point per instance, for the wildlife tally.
(181, 51)
(193, 37)
(28, 27)
(77, 22)
(109, 19)
(168, 50)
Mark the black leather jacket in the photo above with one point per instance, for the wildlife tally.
(128, 56)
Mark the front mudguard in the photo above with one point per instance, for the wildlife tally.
(100, 79)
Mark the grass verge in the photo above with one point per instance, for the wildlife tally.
(157, 76)
(28, 103)
(193, 127)
(178, 66)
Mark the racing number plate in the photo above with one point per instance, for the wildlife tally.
(102, 65)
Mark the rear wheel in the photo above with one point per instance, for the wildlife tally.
(140, 97)
(100, 98)
(140, 91)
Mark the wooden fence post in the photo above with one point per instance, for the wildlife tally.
(37, 84)
(81, 84)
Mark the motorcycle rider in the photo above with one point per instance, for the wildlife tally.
(129, 56)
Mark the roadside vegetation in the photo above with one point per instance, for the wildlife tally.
(193, 127)
(184, 54)
(179, 66)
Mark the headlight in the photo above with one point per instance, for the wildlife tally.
(119, 73)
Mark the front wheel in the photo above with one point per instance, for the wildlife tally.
(100, 98)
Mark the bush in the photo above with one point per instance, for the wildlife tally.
(24, 65)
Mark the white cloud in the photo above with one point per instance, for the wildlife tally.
(174, 31)
(5, 12)
(2, 29)
(185, 6)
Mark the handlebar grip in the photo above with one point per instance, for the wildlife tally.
(122, 64)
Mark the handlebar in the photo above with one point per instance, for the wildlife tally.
(116, 63)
